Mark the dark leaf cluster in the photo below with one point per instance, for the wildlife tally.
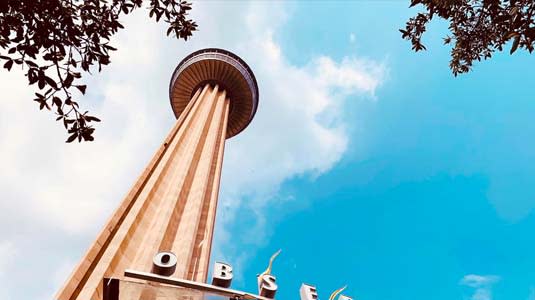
(56, 41)
(478, 28)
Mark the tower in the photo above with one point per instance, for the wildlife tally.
(172, 205)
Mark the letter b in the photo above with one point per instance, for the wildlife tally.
(222, 275)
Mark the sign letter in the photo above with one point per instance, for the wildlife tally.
(222, 275)
(308, 292)
(267, 286)
(164, 263)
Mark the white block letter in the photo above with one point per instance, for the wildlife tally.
(164, 263)
(308, 292)
(267, 286)
(222, 275)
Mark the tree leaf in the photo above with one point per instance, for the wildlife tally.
(415, 2)
(81, 88)
(8, 65)
(56, 101)
(51, 82)
(72, 137)
(511, 34)
(62, 38)
(31, 63)
(91, 118)
(515, 45)
(68, 80)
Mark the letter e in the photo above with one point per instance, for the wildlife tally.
(308, 292)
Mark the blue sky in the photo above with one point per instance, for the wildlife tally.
(437, 182)
(367, 164)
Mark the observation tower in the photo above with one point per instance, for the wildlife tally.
(171, 208)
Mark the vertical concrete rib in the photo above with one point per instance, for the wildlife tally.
(183, 240)
(201, 256)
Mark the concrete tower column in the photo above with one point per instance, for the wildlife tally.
(172, 205)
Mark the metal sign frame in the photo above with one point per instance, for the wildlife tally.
(205, 287)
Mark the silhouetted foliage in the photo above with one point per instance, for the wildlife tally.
(53, 41)
(478, 27)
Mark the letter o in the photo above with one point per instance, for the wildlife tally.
(164, 263)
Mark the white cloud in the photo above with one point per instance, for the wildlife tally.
(352, 38)
(352, 75)
(7, 255)
(58, 195)
(475, 281)
(482, 285)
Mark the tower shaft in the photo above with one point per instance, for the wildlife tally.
(171, 207)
